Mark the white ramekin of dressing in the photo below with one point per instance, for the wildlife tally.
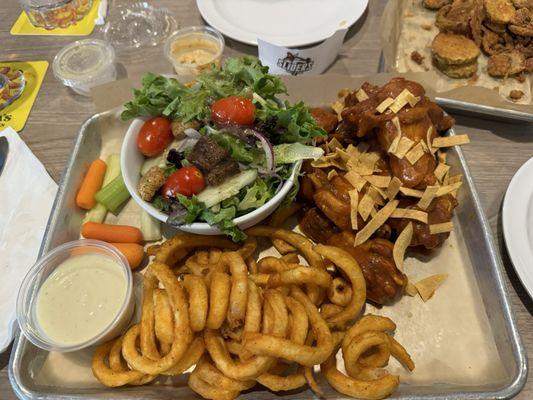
(78, 295)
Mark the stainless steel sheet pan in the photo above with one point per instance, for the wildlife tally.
(479, 252)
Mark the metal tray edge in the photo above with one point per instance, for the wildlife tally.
(473, 108)
(497, 266)
(19, 339)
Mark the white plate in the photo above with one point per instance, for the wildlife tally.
(288, 23)
(517, 218)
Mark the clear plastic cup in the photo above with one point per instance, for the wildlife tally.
(52, 14)
(34, 279)
(84, 64)
(194, 49)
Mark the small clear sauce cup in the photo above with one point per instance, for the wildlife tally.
(37, 275)
(180, 48)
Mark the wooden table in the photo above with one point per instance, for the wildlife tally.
(496, 152)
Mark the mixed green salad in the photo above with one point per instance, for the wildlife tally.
(220, 147)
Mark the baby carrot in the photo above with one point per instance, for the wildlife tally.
(111, 233)
(91, 184)
(133, 252)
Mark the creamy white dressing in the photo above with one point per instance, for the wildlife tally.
(80, 299)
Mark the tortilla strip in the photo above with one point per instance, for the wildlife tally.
(448, 189)
(411, 192)
(409, 213)
(331, 174)
(334, 144)
(381, 181)
(338, 106)
(382, 107)
(404, 146)
(354, 199)
(448, 141)
(393, 188)
(415, 153)
(377, 195)
(379, 219)
(441, 228)
(401, 244)
(432, 149)
(410, 289)
(441, 171)
(361, 95)
(429, 194)
(402, 99)
(342, 154)
(365, 206)
(455, 179)
(427, 286)
(356, 180)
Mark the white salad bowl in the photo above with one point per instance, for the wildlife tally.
(131, 161)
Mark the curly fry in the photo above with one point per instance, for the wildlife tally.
(190, 358)
(210, 374)
(177, 247)
(351, 269)
(198, 301)
(105, 374)
(164, 323)
(375, 389)
(240, 370)
(182, 330)
(353, 351)
(270, 345)
(219, 291)
(339, 292)
(209, 391)
(304, 245)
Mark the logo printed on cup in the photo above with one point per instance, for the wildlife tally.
(294, 64)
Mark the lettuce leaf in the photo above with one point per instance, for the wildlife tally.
(288, 153)
(223, 220)
(190, 209)
(242, 76)
(237, 149)
(290, 122)
(167, 96)
(256, 195)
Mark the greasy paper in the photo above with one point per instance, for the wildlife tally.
(402, 32)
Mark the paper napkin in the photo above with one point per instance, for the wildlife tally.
(27, 193)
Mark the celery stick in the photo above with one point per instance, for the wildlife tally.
(150, 227)
(99, 212)
(113, 168)
(113, 195)
(95, 214)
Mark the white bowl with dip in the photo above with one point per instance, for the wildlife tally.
(194, 49)
(78, 295)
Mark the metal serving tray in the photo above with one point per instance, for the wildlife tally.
(478, 110)
(26, 359)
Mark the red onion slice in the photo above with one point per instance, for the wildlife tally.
(266, 146)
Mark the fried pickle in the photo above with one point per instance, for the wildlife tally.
(451, 49)
(499, 11)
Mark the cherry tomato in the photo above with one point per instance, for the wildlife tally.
(154, 137)
(186, 181)
(233, 110)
